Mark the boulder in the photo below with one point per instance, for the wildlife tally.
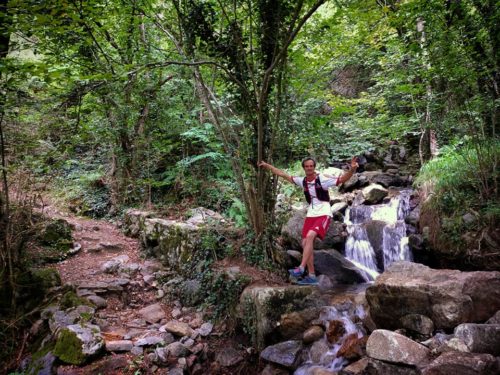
(286, 353)
(312, 334)
(463, 364)
(353, 347)
(495, 319)
(152, 313)
(178, 328)
(392, 347)
(337, 267)
(418, 323)
(477, 338)
(370, 366)
(374, 193)
(76, 343)
(447, 297)
(292, 233)
(260, 308)
(229, 357)
(203, 216)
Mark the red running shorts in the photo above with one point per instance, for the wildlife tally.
(318, 224)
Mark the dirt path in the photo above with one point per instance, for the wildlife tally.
(102, 242)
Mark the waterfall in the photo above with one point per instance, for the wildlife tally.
(329, 360)
(377, 235)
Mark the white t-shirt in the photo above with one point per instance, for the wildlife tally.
(317, 207)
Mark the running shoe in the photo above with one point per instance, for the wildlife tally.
(296, 272)
(308, 280)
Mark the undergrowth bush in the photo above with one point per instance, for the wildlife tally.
(461, 202)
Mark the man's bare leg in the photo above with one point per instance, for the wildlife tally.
(308, 252)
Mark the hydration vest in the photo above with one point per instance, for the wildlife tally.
(321, 193)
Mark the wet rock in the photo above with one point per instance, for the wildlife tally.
(353, 347)
(447, 297)
(285, 353)
(178, 328)
(262, 307)
(335, 331)
(374, 193)
(119, 346)
(152, 313)
(477, 338)
(393, 347)
(229, 357)
(312, 334)
(369, 366)
(318, 351)
(338, 207)
(463, 364)
(338, 268)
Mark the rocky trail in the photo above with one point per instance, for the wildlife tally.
(142, 334)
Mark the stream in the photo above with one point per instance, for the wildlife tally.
(376, 238)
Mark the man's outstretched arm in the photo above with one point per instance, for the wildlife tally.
(347, 175)
(276, 171)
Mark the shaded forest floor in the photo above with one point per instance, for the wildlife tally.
(102, 241)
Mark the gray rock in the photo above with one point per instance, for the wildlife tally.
(369, 366)
(447, 297)
(87, 342)
(111, 266)
(463, 364)
(312, 334)
(418, 323)
(177, 349)
(150, 341)
(285, 353)
(393, 347)
(477, 338)
(495, 319)
(203, 216)
(153, 313)
(99, 302)
(137, 350)
(206, 329)
(119, 346)
(338, 268)
(178, 328)
(318, 352)
(229, 357)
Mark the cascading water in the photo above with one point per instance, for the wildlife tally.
(329, 360)
(377, 235)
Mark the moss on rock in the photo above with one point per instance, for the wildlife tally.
(68, 348)
(46, 278)
(70, 299)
